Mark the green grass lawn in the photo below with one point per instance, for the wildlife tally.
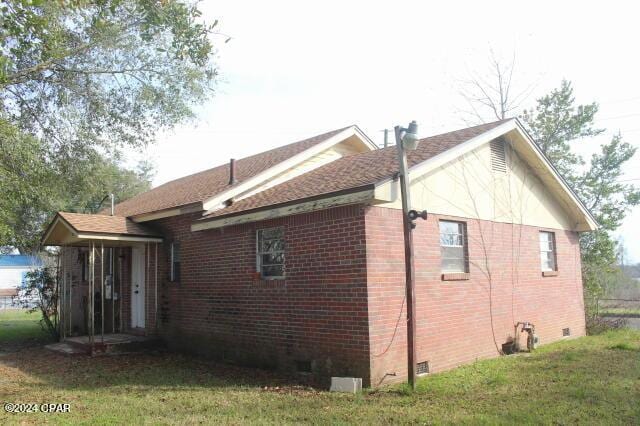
(620, 311)
(17, 326)
(586, 380)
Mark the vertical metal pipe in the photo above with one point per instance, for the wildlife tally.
(102, 290)
(113, 289)
(155, 263)
(120, 275)
(232, 171)
(147, 278)
(66, 285)
(70, 304)
(92, 263)
(408, 259)
(386, 138)
(62, 296)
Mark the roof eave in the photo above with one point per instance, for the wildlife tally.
(357, 195)
(590, 219)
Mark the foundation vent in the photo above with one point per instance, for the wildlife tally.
(303, 366)
(422, 367)
(498, 156)
(566, 332)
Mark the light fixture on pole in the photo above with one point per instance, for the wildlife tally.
(407, 140)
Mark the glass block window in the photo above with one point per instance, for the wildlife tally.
(547, 251)
(453, 246)
(270, 253)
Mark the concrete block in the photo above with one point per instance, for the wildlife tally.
(346, 384)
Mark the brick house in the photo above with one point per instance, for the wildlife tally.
(293, 258)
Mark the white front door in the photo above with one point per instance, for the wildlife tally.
(137, 287)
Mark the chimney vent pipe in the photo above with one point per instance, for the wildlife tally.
(232, 171)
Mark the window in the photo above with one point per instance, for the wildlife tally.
(85, 266)
(547, 251)
(453, 246)
(270, 253)
(175, 262)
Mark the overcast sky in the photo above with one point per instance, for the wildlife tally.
(295, 69)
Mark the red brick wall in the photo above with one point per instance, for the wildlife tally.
(457, 320)
(318, 314)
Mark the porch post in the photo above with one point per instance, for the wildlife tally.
(102, 290)
(155, 263)
(70, 303)
(120, 274)
(113, 289)
(147, 279)
(62, 297)
(91, 295)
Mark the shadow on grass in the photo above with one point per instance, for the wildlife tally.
(157, 369)
(20, 329)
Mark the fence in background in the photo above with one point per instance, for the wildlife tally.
(9, 302)
(624, 308)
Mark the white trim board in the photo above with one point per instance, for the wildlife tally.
(388, 188)
(161, 214)
(111, 237)
(292, 209)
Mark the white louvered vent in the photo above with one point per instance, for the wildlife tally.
(498, 156)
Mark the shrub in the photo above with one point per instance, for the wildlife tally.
(40, 293)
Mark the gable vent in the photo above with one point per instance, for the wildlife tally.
(498, 156)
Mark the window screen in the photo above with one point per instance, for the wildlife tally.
(270, 253)
(547, 251)
(453, 247)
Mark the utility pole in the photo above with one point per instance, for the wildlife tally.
(407, 139)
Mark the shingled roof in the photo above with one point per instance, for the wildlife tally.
(201, 186)
(103, 224)
(350, 173)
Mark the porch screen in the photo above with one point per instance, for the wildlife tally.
(270, 253)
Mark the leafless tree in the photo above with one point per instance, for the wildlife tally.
(490, 95)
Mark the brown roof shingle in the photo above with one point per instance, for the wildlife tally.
(206, 184)
(103, 224)
(351, 172)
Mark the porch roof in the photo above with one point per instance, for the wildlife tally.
(77, 229)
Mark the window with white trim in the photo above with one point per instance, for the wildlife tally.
(547, 251)
(175, 261)
(453, 246)
(270, 249)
